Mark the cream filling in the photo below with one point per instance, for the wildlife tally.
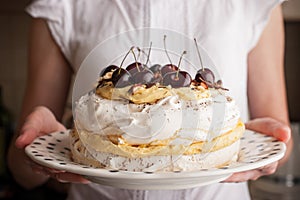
(139, 94)
(94, 143)
(170, 117)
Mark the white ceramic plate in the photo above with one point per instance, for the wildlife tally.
(256, 151)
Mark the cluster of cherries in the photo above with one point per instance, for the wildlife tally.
(169, 74)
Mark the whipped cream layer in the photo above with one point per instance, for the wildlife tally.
(172, 119)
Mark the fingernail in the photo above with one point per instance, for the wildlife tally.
(86, 181)
(288, 130)
(284, 133)
(62, 181)
(18, 142)
(56, 170)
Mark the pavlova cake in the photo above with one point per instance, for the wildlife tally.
(156, 118)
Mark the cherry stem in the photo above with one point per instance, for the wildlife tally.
(148, 57)
(139, 54)
(137, 66)
(141, 50)
(125, 58)
(166, 49)
(199, 54)
(180, 59)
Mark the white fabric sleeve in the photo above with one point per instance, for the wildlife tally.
(260, 11)
(57, 14)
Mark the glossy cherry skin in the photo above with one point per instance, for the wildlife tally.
(177, 80)
(168, 68)
(110, 68)
(156, 68)
(143, 77)
(157, 78)
(121, 78)
(135, 67)
(205, 74)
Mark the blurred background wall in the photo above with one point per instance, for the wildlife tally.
(14, 24)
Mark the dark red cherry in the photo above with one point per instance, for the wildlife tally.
(177, 79)
(206, 75)
(157, 78)
(135, 67)
(110, 68)
(121, 78)
(168, 68)
(156, 68)
(143, 77)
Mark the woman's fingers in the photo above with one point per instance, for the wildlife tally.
(40, 122)
(271, 127)
(60, 175)
(70, 177)
(253, 174)
(266, 126)
(26, 137)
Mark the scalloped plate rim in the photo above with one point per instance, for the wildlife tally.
(97, 172)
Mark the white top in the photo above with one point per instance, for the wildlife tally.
(227, 30)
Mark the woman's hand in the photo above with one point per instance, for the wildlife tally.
(270, 127)
(41, 122)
